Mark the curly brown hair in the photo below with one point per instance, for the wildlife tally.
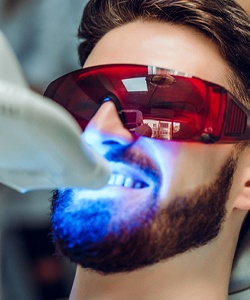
(224, 22)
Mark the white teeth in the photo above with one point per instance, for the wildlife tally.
(137, 185)
(112, 179)
(129, 182)
(121, 180)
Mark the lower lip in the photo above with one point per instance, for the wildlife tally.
(137, 186)
(111, 191)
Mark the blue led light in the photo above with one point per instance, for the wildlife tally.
(83, 225)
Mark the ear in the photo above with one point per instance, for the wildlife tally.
(240, 191)
(242, 200)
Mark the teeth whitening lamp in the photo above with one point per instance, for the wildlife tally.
(41, 145)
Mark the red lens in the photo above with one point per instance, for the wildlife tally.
(176, 107)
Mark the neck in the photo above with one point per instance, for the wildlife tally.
(203, 271)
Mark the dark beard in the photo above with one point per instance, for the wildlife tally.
(188, 222)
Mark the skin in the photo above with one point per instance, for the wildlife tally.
(245, 4)
(188, 166)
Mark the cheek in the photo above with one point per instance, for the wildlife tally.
(166, 155)
(186, 166)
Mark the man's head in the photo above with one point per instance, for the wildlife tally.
(164, 197)
(222, 22)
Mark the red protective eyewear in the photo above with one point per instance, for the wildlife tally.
(171, 104)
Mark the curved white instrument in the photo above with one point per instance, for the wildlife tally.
(41, 145)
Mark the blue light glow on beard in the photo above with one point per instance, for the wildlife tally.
(85, 224)
(91, 222)
(87, 220)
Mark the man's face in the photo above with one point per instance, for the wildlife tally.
(163, 198)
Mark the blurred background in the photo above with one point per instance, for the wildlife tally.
(42, 34)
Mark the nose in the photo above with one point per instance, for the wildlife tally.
(106, 128)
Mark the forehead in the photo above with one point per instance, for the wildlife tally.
(165, 45)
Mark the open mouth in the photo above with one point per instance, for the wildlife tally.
(118, 179)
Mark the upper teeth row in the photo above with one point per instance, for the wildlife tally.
(121, 180)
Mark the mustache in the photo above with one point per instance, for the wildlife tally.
(133, 156)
